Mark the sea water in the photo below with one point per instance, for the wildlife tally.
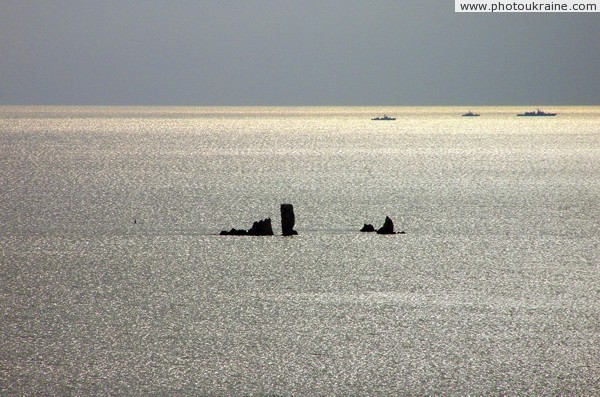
(114, 280)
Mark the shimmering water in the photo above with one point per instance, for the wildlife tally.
(113, 279)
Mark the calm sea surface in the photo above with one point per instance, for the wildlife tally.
(114, 280)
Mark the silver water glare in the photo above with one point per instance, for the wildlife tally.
(113, 280)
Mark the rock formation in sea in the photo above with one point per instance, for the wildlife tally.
(234, 232)
(387, 228)
(367, 228)
(288, 220)
(259, 228)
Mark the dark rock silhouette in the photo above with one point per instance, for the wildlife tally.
(367, 228)
(288, 220)
(387, 228)
(234, 232)
(259, 228)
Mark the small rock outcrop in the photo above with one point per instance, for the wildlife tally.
(387, 228)
(259, 228)
(288, 220)
(367, 228)
(234, 232)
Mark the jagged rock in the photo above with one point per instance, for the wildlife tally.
(234, 232)
(367, 228)
(387, 228)
(261, 228)
(288, 220)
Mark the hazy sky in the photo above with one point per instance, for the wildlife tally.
(292, 52)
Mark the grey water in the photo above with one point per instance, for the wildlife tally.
(114, 280)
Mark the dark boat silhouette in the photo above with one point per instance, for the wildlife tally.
(470, 114)
(536, 113)
(384, 118)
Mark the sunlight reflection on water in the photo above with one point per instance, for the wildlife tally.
(114, 280)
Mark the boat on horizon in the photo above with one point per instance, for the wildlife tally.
(536, 113)
(385, 117)
(470, 114)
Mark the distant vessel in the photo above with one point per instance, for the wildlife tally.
(536, 113)
(384, 117)
(470, 114)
